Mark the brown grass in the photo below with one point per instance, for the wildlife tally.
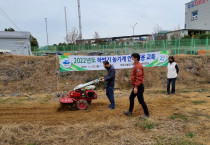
(35, 75)
(32, 122)
(29, 111)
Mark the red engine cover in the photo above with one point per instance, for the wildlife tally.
(74, 94)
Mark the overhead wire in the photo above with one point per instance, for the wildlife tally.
(10, 20)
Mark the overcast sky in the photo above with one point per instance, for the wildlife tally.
(107, 17)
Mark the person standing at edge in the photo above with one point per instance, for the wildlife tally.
(173, 71)
(137, 81)
(110, 82)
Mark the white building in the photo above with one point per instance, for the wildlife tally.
(17, 42)
(197, 15)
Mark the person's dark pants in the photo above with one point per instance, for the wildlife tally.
(140, 97)
(110, 95)
(173, 85)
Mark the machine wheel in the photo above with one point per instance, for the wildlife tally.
(89, 102)
(82, 105)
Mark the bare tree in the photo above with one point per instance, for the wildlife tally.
(158, 33)
(72, 36)
(96, 35)
(157, 29)
(177, 28)
(177, 33)
(97, 38)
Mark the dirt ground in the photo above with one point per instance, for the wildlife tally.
(181, 119)
(30, 113)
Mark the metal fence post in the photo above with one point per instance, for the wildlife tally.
(125, 47)
(179, 46)
(83, 50)
(208, 46)
(114, 48)
(64, 50)
(175, 46)
(191, 45)
(103, 49)
(154, 46)
(194, 46)
(207, 43)
(163, 45)
(136, 46)
(92, 48)
(150, 47)
(146, 45)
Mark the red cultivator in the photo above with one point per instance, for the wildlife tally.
(79, 98)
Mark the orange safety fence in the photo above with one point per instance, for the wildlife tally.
(202, 52)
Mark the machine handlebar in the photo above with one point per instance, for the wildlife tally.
(87, 84)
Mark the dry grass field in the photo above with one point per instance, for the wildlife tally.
(30, 113)
(181, 119)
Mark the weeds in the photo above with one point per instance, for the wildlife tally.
(45, 100)
(157, 92)
(198, 102)
(175, 141)
(184, 126)
(3, 101)
(188, 91)
(184, 117)
(126, 74)
(207, 116)
(15, 101)
(160, 140)
(173, 117)
(147, 124)
(190, 135)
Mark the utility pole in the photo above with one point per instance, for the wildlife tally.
(46, 32)
(66, 21)
(80, 24)
(133, 28)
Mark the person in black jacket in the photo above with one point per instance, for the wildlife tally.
(110, 82)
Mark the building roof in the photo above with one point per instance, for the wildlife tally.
(163, 32)
(15, 35)
(121, 37)
(188, 30)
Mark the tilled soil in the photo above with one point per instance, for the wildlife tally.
(174, 119)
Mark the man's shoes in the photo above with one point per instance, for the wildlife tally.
(111, 108)
(144, 117)
(167, 93)
(128, 113)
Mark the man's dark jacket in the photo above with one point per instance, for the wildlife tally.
(110, 78)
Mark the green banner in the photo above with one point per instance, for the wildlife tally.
(85, 63)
